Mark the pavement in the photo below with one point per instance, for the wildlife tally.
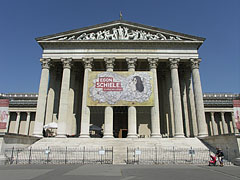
(118, 172)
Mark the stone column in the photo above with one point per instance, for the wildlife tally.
(214, 125)
(71, 95)
(16, 129)
(57, 91)
(170, 106)
(108, 118)
(184, 102)
(191, 103)
(202, 126)
(27, 123)
(50, 96)
(155, 118)
(63, 119)
(176, 98)
(224, 125)
(132, 112)
(85, 116)
(235, 130)
(42, 95)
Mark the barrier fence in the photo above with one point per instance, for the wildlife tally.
(169, 155)
(67, 155)
(104, 155)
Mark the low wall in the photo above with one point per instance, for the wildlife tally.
(14, 140)
(228, 143)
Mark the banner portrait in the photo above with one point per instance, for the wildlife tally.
(120, 89)
(236, 109)
(4, 104)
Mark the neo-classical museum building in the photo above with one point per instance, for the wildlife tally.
(121, 80)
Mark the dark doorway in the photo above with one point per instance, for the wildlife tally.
(120, 121)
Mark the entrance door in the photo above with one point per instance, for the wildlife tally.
(120, 121)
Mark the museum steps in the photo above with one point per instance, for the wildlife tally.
(120, 145)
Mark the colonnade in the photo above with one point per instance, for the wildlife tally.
(182, 101)
(221, 123)
(18, 117)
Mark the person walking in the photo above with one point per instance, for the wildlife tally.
(220, 156)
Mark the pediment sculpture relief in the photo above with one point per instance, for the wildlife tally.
(121, 33)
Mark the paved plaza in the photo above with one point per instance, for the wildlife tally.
(118, 172)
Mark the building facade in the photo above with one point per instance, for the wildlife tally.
(122, 79)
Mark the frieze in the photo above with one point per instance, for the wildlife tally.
(121, 33)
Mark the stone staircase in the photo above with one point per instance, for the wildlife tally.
(119, 145)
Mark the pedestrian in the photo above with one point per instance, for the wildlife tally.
(220, 156)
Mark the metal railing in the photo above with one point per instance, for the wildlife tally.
(170, 155)
(67, 155)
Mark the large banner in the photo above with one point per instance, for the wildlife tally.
(120, 89)
(236, 108)
(4, 104)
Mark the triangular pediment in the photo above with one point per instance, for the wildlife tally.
(119, 31)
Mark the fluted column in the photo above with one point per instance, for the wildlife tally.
(27, 123)
(214, 125)
(108, 118)
(132, 112)
(155, 118)
(176, 98)
(191, 104)
(42, 95)
(224, 125)
(85, 116)
(184, 102)
(16, 129)
(71, 96)
(202, 126)
(50, 96)
(170, 106)
(63, 119)
(235, 130)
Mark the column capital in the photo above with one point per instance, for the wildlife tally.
(195, 63)
(87, 63)
(109, 63)
(131, 63)
(153, 63)
(28, 113)
(45, 63)
(67, 63)
(174, 63)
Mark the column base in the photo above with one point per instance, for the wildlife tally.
(61, 136)
(179, 136)
(38, 135)
(84, 136)
(202, 135)
(156, 136)
(132, 136)
(108, 136)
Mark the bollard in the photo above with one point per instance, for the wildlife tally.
(11, 160)
(174, 159)
(65, 156)
(30, 154)
(83, 154)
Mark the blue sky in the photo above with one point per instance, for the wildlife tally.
(21, 21)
